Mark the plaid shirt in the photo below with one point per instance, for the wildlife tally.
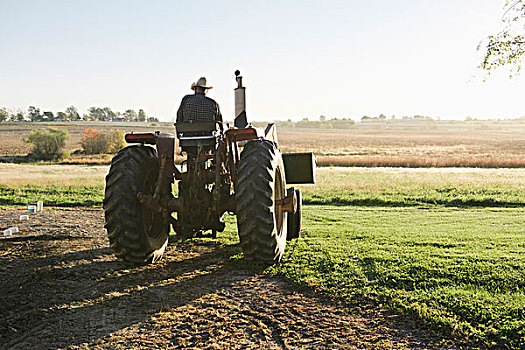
(198, 107)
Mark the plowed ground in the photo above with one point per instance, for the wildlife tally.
(62, 288)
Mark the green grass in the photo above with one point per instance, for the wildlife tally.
(363, 187)
(405, 187)
(458, 270)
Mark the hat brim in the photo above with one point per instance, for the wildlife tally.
(193, 86)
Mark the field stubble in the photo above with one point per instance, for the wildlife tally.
(496, 145)
(410, 148)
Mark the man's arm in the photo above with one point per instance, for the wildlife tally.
(179, 111)
(218, 117)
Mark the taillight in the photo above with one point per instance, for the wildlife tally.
(148, 138)
(242, 134)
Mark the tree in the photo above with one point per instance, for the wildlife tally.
(116, 141)
(93, 142)
(62, 116)
(98, 142)
(97, 113)
(3, 114)
(508, 46)
(34, 114)
(48, 115)
(109, 114)
(18, 115)
(47, 143)
(130, 115)
(72, 113)
(322, 118)
(141, 116)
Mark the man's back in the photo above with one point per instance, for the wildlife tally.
(198, 107)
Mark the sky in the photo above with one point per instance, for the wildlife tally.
(299, 59)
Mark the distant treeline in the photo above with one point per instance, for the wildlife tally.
(393, 117)
(347, 123)
(338, 123)
(323, 123)
(34, 114)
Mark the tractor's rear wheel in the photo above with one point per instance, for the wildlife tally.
(136, 233)
(260, 187)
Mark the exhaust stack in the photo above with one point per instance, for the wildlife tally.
(240, 103)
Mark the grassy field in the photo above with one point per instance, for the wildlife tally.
(443, 246)
(56, 185)
(401, 187)
(458, 270)
(76, 185)
(445, 144)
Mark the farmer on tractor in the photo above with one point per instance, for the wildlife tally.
(198, 107)
(239, 170)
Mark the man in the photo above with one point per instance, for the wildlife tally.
(198, 107)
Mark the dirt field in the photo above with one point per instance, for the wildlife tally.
(62, 288)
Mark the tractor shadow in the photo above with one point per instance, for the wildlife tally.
(68, 299)
(67, 289)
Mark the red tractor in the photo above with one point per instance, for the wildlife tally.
(239, 170)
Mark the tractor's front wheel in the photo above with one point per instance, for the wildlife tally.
(260, 187)
(136, 233)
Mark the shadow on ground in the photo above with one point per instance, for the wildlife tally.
(68, 299)
(62, 287)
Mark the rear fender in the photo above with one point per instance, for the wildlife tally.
(244, 134)
(252, 133)
(165, 146)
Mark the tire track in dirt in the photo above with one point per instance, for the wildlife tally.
(62, 288)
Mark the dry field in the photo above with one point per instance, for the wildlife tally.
(14, 175)
(445, 145)
(12, 135)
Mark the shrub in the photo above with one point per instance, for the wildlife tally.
(93, 141)
(115, 141)
(47, 143)
(97, 142)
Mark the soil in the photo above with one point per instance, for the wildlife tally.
(61, 287)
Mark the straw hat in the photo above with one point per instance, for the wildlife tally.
(201, 83)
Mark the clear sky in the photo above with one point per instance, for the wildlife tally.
(298, 58)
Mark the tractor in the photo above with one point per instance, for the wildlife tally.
(226, 169)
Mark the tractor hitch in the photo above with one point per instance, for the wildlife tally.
(288, 204)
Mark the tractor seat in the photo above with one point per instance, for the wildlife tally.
(195, 134)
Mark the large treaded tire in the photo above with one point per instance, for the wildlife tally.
(136, 235)
(260, 182)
